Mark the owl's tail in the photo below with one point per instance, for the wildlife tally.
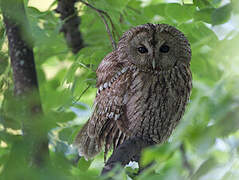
(87, 146)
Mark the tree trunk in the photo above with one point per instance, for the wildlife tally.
(25, 80)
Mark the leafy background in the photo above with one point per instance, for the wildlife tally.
(209, 129)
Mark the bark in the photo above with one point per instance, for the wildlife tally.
(127, 151)
(71, 22)
(25, 78)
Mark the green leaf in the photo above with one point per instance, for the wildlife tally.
(235, 6)
(68, 133)
(203, 3)
(173, 10)
(155, 10)
(204, 15)
(2, 35)
(205, 167)
(3, 62)
(83, 164)
(160, 154)
(221, 15)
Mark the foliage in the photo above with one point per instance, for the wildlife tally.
(209, 129)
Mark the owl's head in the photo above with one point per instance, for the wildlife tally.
(154, 46)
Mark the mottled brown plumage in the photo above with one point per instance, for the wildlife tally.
(143, 88)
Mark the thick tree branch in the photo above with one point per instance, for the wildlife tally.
(24, 75)
(127, 151)
(71, 22)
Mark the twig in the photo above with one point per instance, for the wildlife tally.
(133, 9)
(185, 162)
(102, 13)
(86, 89)
(74, 101)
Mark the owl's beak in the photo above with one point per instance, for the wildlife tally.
(153, 63)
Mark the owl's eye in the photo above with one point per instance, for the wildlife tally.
(164, 48)
(142, 49)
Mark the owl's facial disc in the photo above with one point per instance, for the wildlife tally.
(153, 51)
(156, 50)
(157, 47)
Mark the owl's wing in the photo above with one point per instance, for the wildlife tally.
(108, 67)
(108, 122)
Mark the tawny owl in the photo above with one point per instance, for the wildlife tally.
(143, 88)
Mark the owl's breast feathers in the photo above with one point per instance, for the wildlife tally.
(155, 102)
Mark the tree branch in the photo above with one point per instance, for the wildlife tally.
(127, 151)
(71, 22)
(103, 14)
(24, 76)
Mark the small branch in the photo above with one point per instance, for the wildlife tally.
(185, 162)
(75, 100)
(85, 90)
(71, 22)
(102, 14)
(127, 151)
(133, 9)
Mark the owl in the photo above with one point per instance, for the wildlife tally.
(143, 88)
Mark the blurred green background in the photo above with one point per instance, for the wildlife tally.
(209, 129)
